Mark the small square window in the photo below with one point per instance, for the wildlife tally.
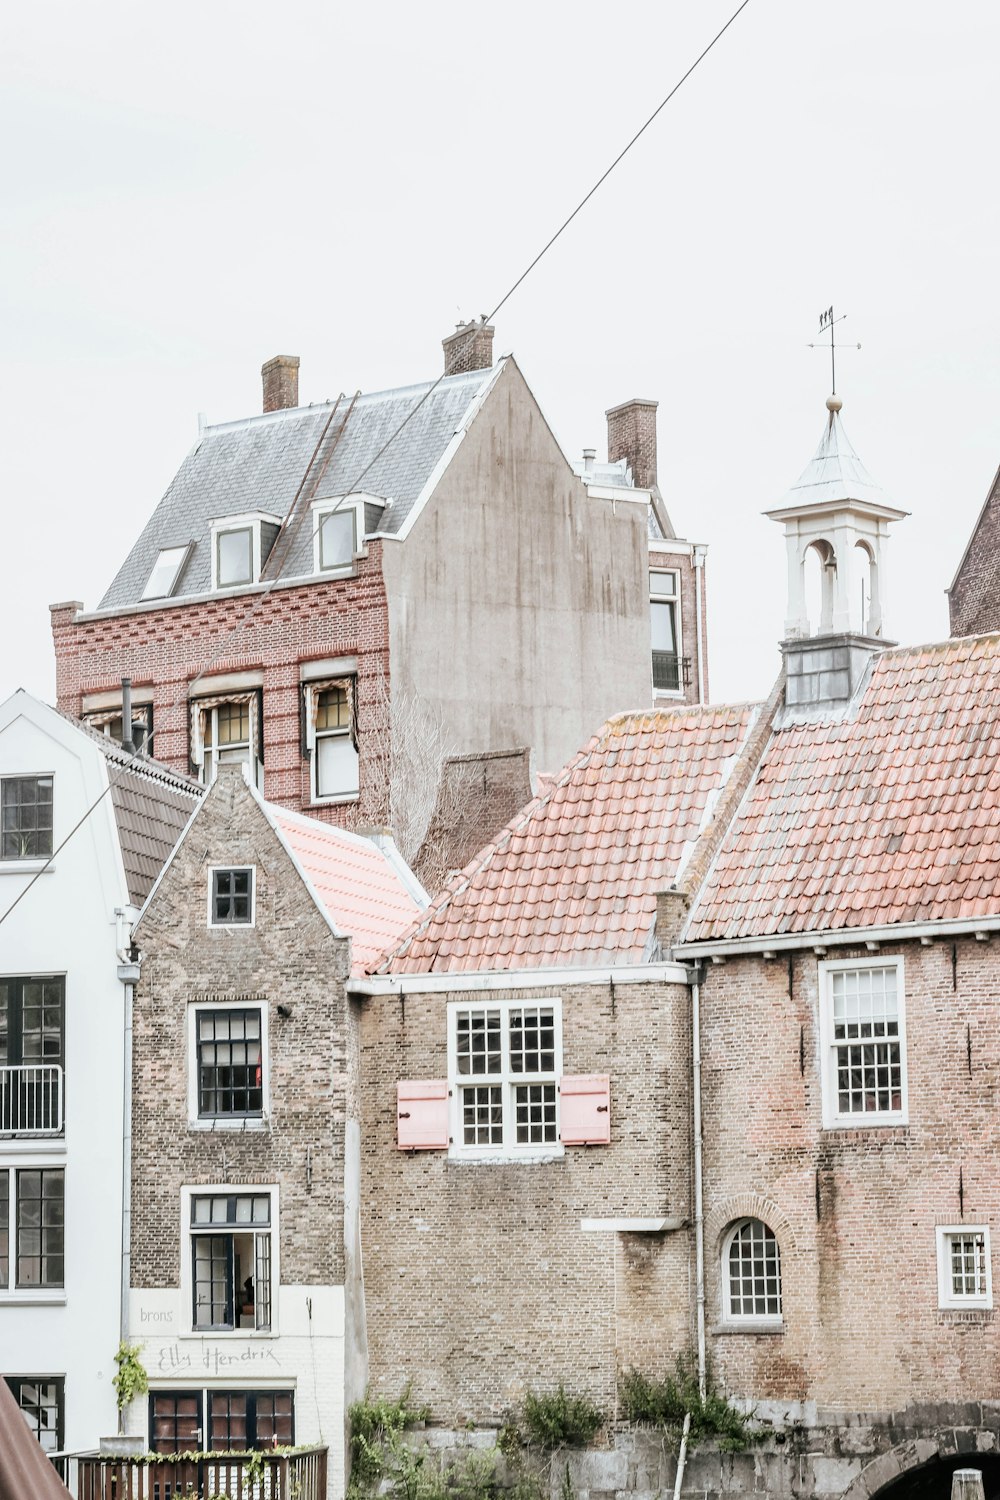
(232, 898)
(25, 817)
(234, 557)
(965, 1277)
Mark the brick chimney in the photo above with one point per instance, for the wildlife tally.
(470, 347)
(632, 436)
(280, 377)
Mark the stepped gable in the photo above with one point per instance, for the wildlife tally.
(573, 879)
(889, 814)
(365, 891)
(258, 464)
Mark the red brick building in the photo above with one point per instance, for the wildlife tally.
(344, 594)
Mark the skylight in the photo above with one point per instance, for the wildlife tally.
(166, 571)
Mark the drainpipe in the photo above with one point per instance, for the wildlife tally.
(699, 565)
(128, 973)
(682, 1456)
(695, 976)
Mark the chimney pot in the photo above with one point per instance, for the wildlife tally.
(280, 377)
(632, 436)
(589, 454)
(470, 347)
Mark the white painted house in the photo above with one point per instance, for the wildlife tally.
(68, 894)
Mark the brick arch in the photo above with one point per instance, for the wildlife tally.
(747, 1206)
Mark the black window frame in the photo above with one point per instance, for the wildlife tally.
(18, 1227)
(232, 896)
(17, 1382)
(214, 1079)
(34, 1099)
(44, 834)
(202, 1399)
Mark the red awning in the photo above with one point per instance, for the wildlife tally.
(24, 1470)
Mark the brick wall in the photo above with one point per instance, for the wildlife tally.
(289, 958)
(477, 797)
(479, 1281)
(276, 634)
(854, 1210)
(974, 598)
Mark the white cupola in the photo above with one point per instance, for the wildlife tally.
(837, 511)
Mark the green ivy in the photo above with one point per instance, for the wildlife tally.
(131, 1380)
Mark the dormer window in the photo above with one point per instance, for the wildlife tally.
(338, 526)
(240, 548)
(166, 572)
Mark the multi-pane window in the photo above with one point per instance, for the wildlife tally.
(232, 897)
(751, 1272)
(337, 538)
(109, 723)
(335, 755)
(32, 1232)
(667, 667)
(964, 1272)
(25, 817)
(505, 1066)
(41, 1399)
(230, 1081)
(231, 1260)
(31, 1055)
(865, 1063)
(225, 736)
(235, 1421)
(234, 557)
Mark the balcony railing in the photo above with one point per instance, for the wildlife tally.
(300, 1475)
(31, 1099)
(670, 671)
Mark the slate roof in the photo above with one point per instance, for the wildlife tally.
(258, 464)
(573, 879)
(152, 805)
(890, 815)
(367, 892)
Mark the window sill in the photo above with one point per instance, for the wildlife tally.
(229, 1334)
(506, 1158)
(751, 1325)
(33, 1145)
(980, 1314)
(23, 1298)
(864, 1130)
(25, 866)
(252, 1123)
(340, 800)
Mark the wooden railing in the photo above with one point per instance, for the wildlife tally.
(300, 1475)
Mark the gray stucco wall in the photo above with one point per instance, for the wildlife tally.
(517, 605)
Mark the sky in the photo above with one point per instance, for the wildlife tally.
(188, 189)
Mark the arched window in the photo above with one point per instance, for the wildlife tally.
(751, 1273)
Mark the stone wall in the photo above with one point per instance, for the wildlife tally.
(974, 597)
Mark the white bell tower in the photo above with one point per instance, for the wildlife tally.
(838, 512)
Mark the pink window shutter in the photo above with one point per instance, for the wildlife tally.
(585, 1110)
(422, 1115)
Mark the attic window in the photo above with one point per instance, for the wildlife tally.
(338, 526)
(234, 557)
(166, 572)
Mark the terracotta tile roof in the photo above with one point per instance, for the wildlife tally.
(363, 889)
(572, 880)
(892, 815)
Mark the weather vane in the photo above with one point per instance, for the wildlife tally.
(828, 321)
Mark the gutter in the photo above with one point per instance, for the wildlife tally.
(517, 979)
(820, 939)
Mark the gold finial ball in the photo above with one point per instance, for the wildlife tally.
(833, 403)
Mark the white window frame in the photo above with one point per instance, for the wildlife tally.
(322, 508)
(313, 737)
(227, 1122)
(250, 521)
(833, 1119)
(752, 1320)
(185, 1321)
(675, 600)
(232, 926)
(184, 553)
(214, 750)
(948, 1298)
(509, 1150)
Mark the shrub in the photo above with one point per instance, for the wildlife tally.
(665, 1403)
(557, 1420)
